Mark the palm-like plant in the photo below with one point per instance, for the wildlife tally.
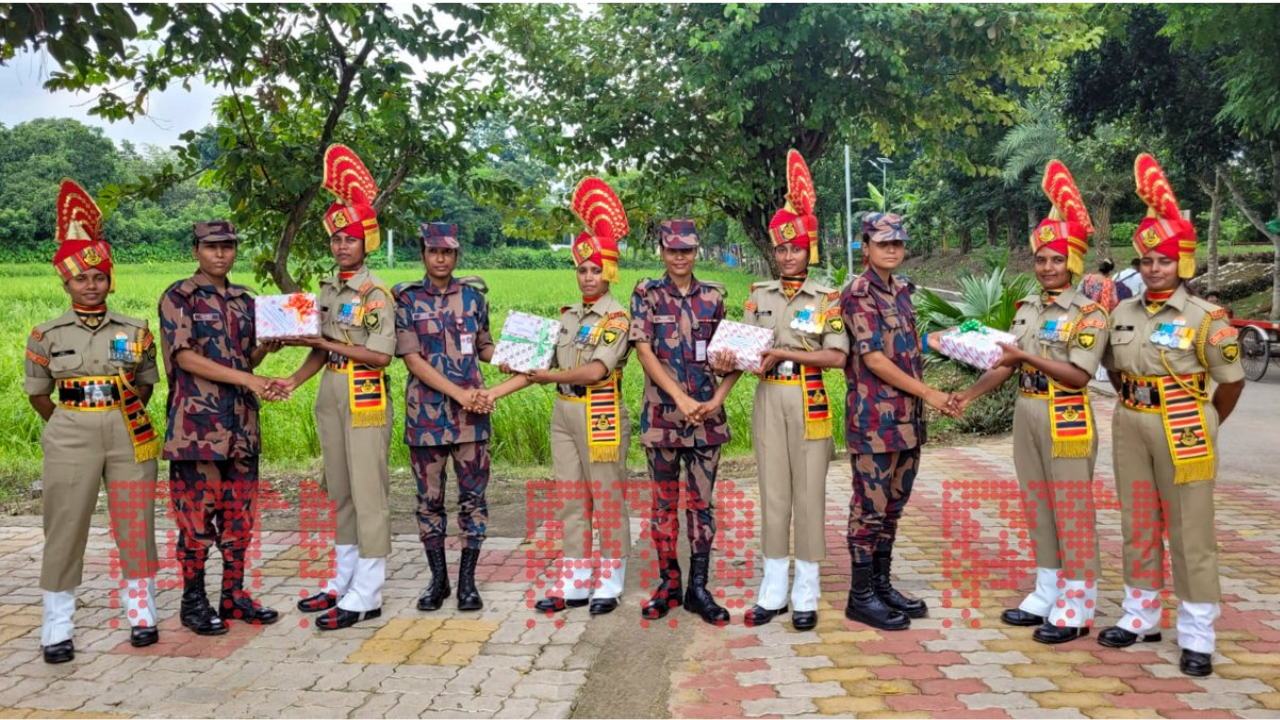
(991, 299)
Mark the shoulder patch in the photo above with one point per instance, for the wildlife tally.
(474, 282)
(1218, 314)
(1092, 323)
(1090, 307)
(833, 295)
(35, 333)
(749, 306)
(617, 321)
(37, 359)
(1223, 334)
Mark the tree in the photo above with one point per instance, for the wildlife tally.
(400, 88)
(707, 99)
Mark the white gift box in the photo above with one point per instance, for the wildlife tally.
(527, 342)
(286, 316)
(746, 342)
(976, 347)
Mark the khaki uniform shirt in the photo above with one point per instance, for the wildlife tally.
(1069, 328)
(1212, 347)
(599, 333)
(359, 311)
(809, 321)
(67, 348)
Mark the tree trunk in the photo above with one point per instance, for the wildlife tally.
(1273, 194)
(755, 224)
(993, 225)
(1216, 208)
(1101, 216)
(1033, 217)
(966, 238)
(1011, 234)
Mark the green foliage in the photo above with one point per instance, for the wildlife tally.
(990, 299)
(705, 100)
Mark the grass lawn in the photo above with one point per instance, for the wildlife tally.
(32, 294)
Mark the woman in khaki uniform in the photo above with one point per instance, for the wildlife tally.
(791, 418)
(590, 432)
(1061, 337)
(1164, 348)
(353, 408)
(103, 366)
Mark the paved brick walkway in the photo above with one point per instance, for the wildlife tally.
(961, 549)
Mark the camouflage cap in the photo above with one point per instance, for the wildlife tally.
(678, 234)
(884, 227)
(440, 235)
(214, 231)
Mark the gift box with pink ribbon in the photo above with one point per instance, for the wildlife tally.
(745, 342)
(973, 343)
(277, 317)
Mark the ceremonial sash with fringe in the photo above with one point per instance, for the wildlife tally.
(604, 431)
(146, 443)
(817, 413)
(1070, 422)
(1186, 430)
(368, 395)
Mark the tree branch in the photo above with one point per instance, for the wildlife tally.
(1250, 214)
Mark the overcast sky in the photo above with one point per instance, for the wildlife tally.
(173, 112)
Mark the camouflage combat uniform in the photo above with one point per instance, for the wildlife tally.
(449, 329)
(679, 326)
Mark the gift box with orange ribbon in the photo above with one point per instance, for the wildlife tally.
(295, 315)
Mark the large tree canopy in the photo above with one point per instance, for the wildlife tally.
(707, 99)
(402, 88)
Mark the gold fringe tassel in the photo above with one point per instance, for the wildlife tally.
(817, 429)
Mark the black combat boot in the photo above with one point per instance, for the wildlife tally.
(699, 600)
(866, 607)
(195, 611)
(667, 594)
(881, 562)
(468, 595)
(235, 603)
(436, 593)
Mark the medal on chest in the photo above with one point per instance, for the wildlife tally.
(351, 313)
(807, 320)
(1056, 330)
(124, 351)
(1175, 335)
(588, 335)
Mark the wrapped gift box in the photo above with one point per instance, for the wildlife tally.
(286, 316)
(527, 342)
(746, 342)
(975, 344)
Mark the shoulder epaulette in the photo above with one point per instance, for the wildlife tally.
(1090, 307)
(127, 320)
(1218, 314)
(860, 286)
(762, 284)
(406, 285)
(180, 287)
(474, 282)
(644, 285)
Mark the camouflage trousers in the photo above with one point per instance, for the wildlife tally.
(213, 504)
(881, 487)
(701, 464)
(471, 465)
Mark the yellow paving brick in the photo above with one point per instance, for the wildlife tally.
(11, 632)
(1092, 685)
(428, 653)
(1033, 670)
(15, 712)
(419, 629)
(445, 635)
(897, 715)
(24, 616)
(877, 688)
(689, 696)
(1021, 645)
(384, 651)
(488, 626)
(850, 705)
(1063, 657)
(1237, 672)
(838, 674)
(1270, 701)
(853, 658)
(395, 628)
(1252, 658)
(1114, 712)
(1076, 700)
(461, 654)
(73, 715)
(850, 636)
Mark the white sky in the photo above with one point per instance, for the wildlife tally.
(173, 112)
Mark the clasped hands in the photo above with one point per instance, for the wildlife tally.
(953, 405)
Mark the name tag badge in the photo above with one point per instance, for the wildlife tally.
(700, 350)
(467, 343)
(424, 316)
(205, 317)
(664, 318)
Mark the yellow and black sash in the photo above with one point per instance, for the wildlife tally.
(146, 444)
(817, 411)
(1180, 401)
(366, 391)
(604, 408)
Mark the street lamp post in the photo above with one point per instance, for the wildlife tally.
(882, 164)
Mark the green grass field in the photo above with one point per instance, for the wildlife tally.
(32, 294)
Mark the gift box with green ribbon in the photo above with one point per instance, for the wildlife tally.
(527, 342)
